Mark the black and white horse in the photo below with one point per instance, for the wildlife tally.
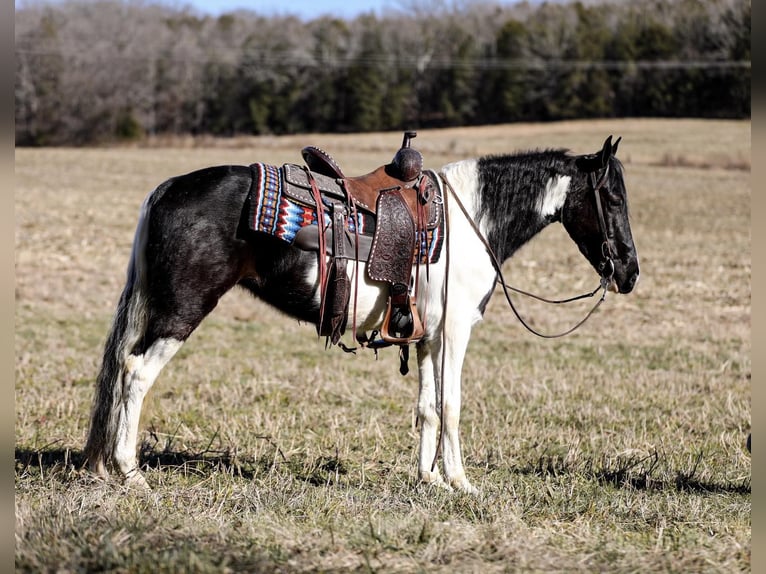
(193, 244)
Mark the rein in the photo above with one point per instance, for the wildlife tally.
(606, 267)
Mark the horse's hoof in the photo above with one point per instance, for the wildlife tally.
(136, 480)
(464, 485)
(434, 478)
(98, 469)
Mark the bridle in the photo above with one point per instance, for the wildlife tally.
(605, 267)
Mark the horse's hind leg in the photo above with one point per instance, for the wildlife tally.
(178, 271)
(144, 338)
(140, 372)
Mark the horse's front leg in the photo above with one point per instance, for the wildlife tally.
(430, 405)
(428, 414)
(456, 343)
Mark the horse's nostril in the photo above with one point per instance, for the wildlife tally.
(628, 285)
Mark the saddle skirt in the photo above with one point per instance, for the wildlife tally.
(282, 205)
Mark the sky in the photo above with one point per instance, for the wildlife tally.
(307, 9)
(310, 9)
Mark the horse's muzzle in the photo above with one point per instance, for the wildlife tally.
(627, 281)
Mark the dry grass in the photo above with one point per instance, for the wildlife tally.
(619, 448)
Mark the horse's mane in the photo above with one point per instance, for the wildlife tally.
(509, 188)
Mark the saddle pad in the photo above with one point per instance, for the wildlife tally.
(275, 212)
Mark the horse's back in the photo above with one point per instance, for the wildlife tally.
(199, 207)
(208, 188)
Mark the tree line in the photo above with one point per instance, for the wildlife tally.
(105, 70)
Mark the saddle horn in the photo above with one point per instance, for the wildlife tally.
(408, 161)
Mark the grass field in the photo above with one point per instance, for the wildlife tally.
(617, 449)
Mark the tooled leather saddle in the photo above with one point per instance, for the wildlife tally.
(391, 218)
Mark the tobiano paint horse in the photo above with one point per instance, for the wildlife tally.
(193, 243)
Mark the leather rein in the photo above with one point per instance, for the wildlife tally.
(605, 266)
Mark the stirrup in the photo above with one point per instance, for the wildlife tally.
(407, 327)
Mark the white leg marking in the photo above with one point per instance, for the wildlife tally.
(428, 415)
(456, 343)
(140, 373)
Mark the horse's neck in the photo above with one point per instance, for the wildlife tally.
(513, 204)
(515, 230)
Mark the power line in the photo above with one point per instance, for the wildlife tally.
(283, 59)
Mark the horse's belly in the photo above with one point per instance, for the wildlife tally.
(367, 304)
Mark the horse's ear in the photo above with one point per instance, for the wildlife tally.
(606, 151)
(599, 160)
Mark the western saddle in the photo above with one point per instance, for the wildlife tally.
(401, 198)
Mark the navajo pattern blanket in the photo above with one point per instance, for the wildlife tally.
(274, 212)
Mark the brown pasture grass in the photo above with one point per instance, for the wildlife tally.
(619, 448)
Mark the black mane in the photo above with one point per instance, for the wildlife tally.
(510, 186)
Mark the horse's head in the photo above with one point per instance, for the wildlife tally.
(595, 214)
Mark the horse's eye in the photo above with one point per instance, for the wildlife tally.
(615, 200)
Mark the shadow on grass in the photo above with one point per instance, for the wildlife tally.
(636, 473)
(63, 462)
(52, 460)
(46, 460)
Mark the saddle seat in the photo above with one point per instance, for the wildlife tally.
(403, 172)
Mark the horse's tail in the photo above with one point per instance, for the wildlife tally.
(128, 328)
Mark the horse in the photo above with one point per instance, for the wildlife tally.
(193, 244)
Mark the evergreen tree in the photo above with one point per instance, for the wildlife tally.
(365, 83)
(503, 88)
